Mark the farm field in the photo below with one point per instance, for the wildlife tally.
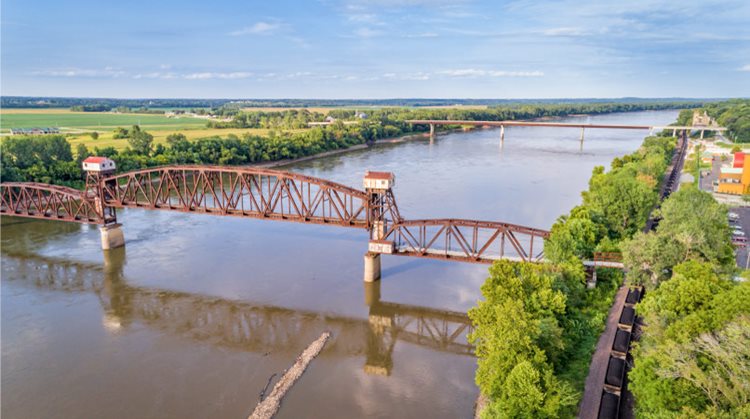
(95, 121)
(160, 136)
(73, 123)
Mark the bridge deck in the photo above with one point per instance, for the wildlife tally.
(556, 125)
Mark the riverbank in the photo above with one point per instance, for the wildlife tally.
(357, 147)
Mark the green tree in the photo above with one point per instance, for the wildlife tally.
(140, 141)
(622, 201)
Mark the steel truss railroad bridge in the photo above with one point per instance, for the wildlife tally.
(275, 195)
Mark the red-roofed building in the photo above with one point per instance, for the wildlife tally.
(98, 164)
(379, 180)
(739, 160)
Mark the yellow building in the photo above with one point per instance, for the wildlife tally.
(735, 180)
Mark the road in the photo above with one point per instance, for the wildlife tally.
(706, 183)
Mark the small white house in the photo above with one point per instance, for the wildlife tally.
(379, 180)
(98, 164)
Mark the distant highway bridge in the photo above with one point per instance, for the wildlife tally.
(502, 124)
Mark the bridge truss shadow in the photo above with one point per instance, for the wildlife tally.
(245, 325)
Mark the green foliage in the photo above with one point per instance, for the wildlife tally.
(140, 141)
(694, 357)
(693, 227)
(516, 325)
(533, 362)
(575, 235)
(94, 135)
(120, 133)
(46, 159)
(735, 115)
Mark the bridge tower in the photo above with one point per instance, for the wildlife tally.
(381, 208)
(98, 169)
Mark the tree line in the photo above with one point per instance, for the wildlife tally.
(538, 324)
(299, 118)
(735, 116)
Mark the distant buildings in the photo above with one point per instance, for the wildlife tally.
(701, 119)
(34, 131)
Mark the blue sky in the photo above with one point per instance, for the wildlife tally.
(376, 48)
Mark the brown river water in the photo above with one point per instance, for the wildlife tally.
(196, 314)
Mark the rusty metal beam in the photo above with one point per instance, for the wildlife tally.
(241, 192)
(48, 202)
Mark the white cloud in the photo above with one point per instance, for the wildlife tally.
(473, 72)
(259, 28)
(745, 68)
(106, 72)
(407, 76)
(565, 32)
(423, 35)
(367, 33)
(225, 76)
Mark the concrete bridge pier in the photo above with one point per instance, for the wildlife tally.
(674, 132)
(432, 132)
(372, 266)
(502, 134)
(582, 130)
(702, 134)
(112, 236)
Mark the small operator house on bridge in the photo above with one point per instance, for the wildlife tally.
(98, 164)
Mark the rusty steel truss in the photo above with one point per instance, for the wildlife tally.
(50, 202)
(276, 195)
(467, 240)
(242, 192)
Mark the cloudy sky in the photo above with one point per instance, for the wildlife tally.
(376, 48)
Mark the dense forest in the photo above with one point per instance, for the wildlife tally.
(537, 326)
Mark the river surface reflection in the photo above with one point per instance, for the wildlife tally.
(195, 315)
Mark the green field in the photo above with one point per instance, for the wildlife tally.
(76, 126)
(98, 121)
